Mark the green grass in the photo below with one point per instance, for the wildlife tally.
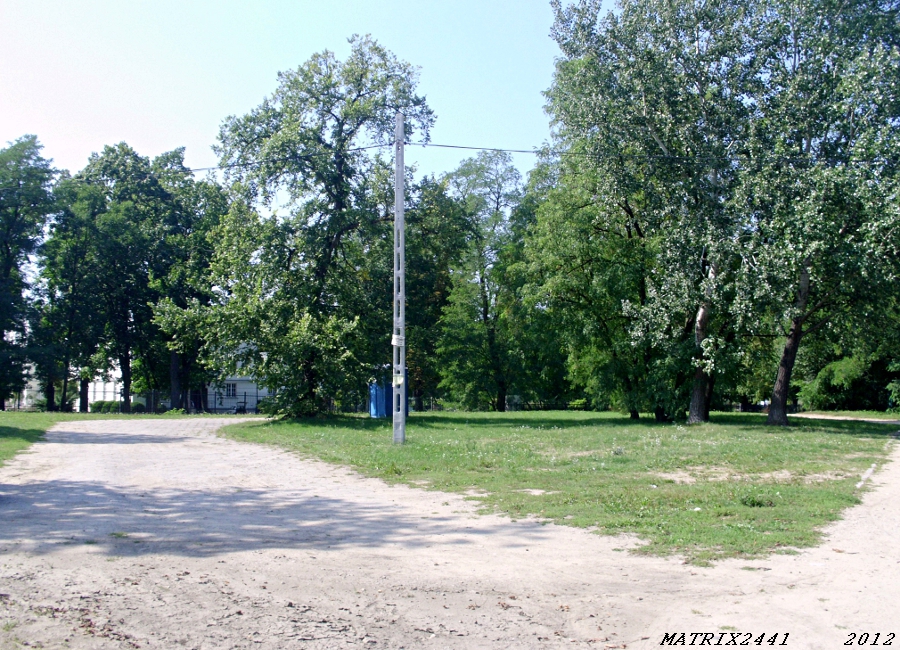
(19, 429)
(731, 488)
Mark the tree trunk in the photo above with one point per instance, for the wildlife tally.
(418, 401)
(492, 346)
(497, 370)
(778, 406)
(634, 414)
(175, 380)
(63, 402)
(660, 414)
(51, 396)
(710, 384)
(83, 404)
(699, 411)
(501, 396)
(311, 379)
(125, 367)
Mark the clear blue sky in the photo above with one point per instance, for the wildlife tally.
(164, 73)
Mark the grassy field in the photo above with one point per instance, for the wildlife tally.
(730, 488)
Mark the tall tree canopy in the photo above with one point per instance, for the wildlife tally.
(647, 103)
(295, 304)
(25, 204)
(719, 206)
(820, 188)
(67, 326)
(129, 232)
(735, 161)
(475, 348)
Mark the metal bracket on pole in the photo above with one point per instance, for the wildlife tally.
(398, 338)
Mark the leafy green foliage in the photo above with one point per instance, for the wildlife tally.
(65, 329)
(25, 204)
(823, 239)
(105, 406)
(747, 150)
(493, 347)
(438, 229)
(724, 204)
(301, 266)
(128, 232)
(645, 101)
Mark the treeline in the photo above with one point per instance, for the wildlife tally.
(87, 259)
(716, 221)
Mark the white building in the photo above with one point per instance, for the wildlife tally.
(233, 395)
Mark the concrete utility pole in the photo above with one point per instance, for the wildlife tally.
(398, 339)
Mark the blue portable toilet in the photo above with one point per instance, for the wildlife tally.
(381, 394)
(379, 400)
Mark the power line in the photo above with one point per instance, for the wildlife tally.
(457, 146)
(194, 170)
(660, 156)
(287, 158)
(536, 152)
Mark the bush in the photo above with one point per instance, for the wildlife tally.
(579, 405)
(850, 384)
(138, 408)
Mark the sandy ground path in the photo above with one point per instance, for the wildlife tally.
(158, 534)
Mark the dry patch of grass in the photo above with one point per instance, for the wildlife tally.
(693, 474)
(681, 478)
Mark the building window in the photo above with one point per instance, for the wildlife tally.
(230, 390)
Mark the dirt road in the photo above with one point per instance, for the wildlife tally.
(158, 534)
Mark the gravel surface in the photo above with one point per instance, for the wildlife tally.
(159, 534)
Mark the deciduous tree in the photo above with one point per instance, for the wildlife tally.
(25, 204)
(294, 302)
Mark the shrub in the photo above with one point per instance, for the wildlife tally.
(579, 405)
(137, 407)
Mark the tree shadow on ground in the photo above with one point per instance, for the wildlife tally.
(14, 439)
(101, 438)
(443, 420)
(29, 435)
(47, 516)
(826, 425)
(576, 419)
